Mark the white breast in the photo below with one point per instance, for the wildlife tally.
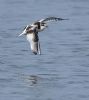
(30, 39)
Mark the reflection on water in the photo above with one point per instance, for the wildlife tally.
(62, 71)
(32, 80)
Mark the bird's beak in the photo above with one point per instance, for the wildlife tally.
(23, 33)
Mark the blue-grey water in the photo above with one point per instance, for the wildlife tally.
(62, 71)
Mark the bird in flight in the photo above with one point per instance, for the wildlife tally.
(31, 32)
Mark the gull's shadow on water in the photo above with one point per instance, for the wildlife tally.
(42, 80)
(32, 80)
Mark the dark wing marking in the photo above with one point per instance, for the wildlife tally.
(29, 27)
(36, 38)
(36, 44)
(53, 18)
(38, 24)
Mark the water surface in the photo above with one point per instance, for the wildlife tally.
(62, 71)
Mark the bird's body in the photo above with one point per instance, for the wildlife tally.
(33, 43)
(31, 32)
(33, 38)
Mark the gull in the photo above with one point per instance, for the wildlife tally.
(31, 32)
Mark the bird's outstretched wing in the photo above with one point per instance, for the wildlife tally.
(34, 42)
(52, 19)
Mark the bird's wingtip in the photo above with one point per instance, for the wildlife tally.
(64, 18)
